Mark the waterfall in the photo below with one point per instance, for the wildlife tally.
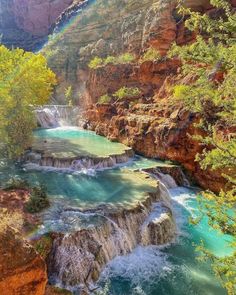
(36, 161)
(166, 179)
(52, 116)
(78, 258)
(172, 176)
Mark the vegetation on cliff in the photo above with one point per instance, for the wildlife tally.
(124, 93)
(210, 66)
(25, 82)
(125, 58)
(151, 54)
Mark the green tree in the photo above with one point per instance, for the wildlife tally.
(210, 65)
(25, 82)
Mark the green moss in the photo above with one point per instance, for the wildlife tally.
(110, 60)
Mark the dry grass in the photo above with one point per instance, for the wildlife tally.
(10, 219)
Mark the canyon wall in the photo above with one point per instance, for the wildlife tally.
(151, 124)
(26, 23)
(107, 28)
(111, 28)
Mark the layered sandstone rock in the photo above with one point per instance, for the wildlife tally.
(110, 28)
(23, 271)
(148, 76)
(151, 125)
(156, 131)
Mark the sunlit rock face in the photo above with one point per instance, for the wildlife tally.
(77, 258)
(165, 131)
(22, 269)
(25, 23)
(108, 28)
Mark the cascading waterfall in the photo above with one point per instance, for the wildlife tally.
(52, 116)
(36, 161)
(78, 258)
(166, 180)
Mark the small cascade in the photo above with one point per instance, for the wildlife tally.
(78, 258)
(47, 118)
(37, 161)
(171, 176)
(52, 116)
(186, 182)
(166, 179)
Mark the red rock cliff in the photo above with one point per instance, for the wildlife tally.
(23, 271)
(25, 23)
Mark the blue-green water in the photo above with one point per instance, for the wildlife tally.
(169, 270)
(73, 142)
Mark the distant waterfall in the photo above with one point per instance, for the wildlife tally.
(52, 116)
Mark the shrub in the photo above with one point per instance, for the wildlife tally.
(151, 54)
(96, 62)
(126, 92)
(38, 200)
(16, 183)
(110, 60)
(126, 58)
(104, 99)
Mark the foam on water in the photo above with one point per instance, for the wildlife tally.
(173, 268)
(143, 264)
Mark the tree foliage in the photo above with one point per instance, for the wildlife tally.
(210, 67)
(25, 82)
